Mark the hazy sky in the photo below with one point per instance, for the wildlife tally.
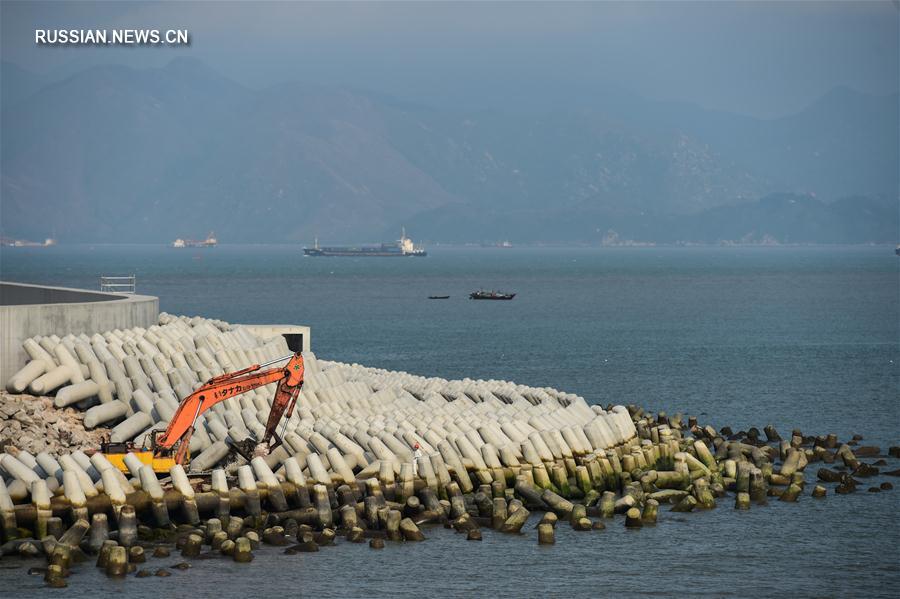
(759, 58)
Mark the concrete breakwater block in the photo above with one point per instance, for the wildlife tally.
(369, 454)
(349, 417)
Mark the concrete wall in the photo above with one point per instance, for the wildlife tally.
(28, 310)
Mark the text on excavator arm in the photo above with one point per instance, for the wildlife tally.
(220, 388)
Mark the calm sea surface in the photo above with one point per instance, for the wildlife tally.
(803, 338)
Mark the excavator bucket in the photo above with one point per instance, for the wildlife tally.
(250, 448)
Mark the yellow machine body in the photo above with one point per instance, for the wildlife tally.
(161, 465)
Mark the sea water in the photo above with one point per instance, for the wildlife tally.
(797, 337)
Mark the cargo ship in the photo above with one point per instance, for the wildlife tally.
(401, 248)
(209, 242)
(24, 243)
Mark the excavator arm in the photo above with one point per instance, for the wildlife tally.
(220, 388)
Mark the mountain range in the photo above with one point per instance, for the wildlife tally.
(115, 154)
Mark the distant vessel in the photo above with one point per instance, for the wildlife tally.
(24, 243)
(490, 295)
(497, 244)
(897, 250)
(400, 248)
(438, 297)
(209, 242)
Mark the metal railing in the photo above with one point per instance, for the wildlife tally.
(118, 284)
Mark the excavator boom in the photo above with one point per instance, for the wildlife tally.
(210, 394)
(220, 388)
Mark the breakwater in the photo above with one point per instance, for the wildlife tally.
(493, 452)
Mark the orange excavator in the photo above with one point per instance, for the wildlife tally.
(173, 445)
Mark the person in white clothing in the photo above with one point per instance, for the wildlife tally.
(417, 454)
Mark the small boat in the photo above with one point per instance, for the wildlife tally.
(438, 297)
(491, 295)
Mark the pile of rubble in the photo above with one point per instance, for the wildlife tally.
(34, 425)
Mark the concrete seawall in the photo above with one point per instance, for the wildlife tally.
(29, 310)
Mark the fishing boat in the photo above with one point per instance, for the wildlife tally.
(491, 295)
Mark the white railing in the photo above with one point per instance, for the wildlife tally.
(118, 284)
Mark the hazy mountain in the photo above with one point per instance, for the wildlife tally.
(17, 83)
(118, 154)
(91, 157)
(845, 143)
(776, 218)
(791, 218)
